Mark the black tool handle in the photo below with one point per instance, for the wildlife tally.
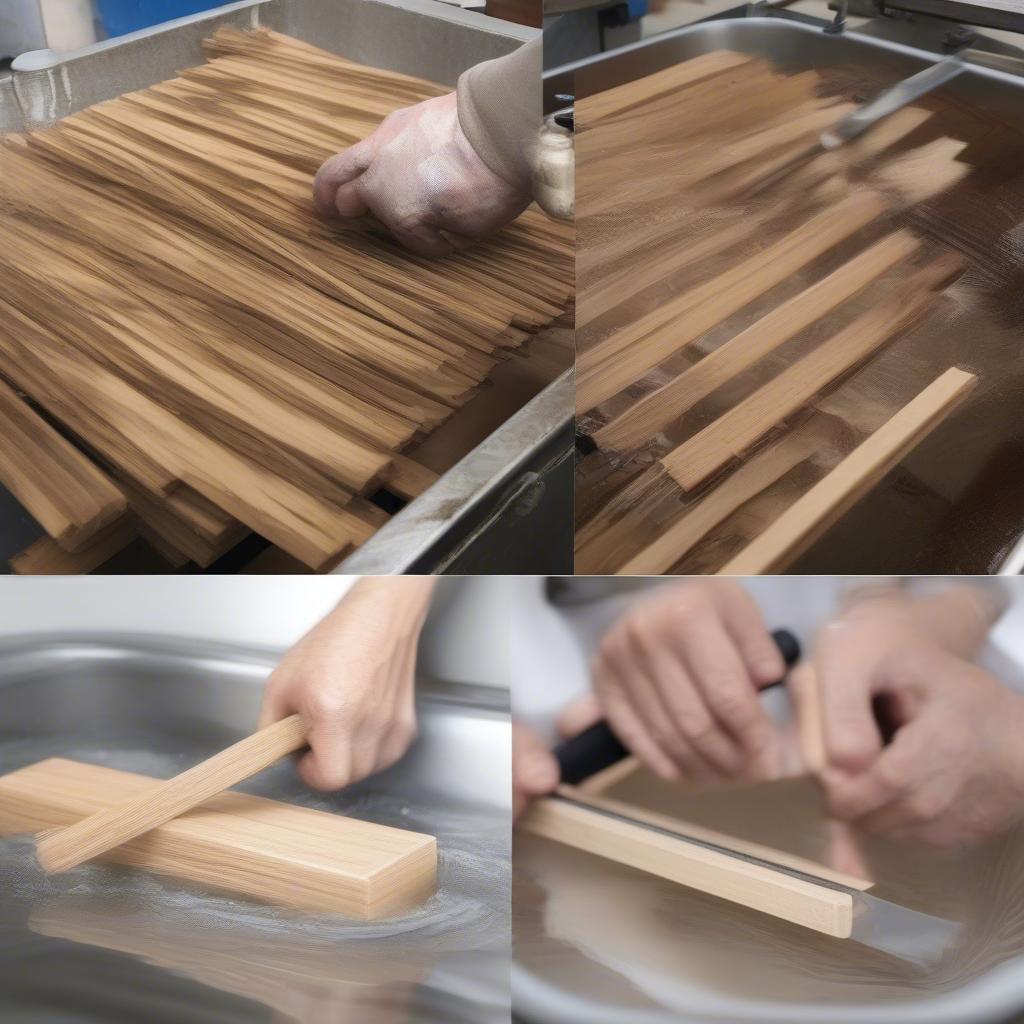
(598, 747)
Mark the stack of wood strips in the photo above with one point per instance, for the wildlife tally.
(193, 354)
(744, 302)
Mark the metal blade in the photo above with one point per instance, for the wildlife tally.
(908, 934)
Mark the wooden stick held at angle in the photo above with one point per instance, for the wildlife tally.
(65, 848)
(807, 518)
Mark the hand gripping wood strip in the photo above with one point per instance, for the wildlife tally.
(174, 305)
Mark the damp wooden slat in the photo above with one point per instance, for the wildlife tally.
(58, 485)
(624, 357)
(656, 410)
(807, 518)
(736, 430)
(269, 851)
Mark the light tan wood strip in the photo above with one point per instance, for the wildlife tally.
(735, 431)
(62, 849)
(59, 487)
(45, 557)
(717, 505)
(805, 520)
(626, 356)
(655, 411)
(728, 877)
(269, 851)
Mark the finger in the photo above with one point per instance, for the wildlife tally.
(421, 239)
(895, 772)
(348, 201)
(632, 669)
(338, 170)
(744, 623)
(698, 730)
(534, 768)
(578, 715)
(273, 708)
(852, 739)
(729, 692)
(919, 808)
(326, 767)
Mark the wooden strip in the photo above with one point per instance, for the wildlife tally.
(266, 850)
(729, 877)
(812, 514)
(58, 486)
(737, 489)
(45, 557)
(617, 100)
(626, 356)
(62, 849)
(731, 434)
(656, 410)
(599, 801)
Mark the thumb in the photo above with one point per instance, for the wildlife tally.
(534, 768)
(339, 170)
(578, 715)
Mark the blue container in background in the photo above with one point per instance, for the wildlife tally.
(121, 16)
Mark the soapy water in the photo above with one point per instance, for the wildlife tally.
(284, 959)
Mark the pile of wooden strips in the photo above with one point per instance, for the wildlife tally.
(203, 354)
(728, 287)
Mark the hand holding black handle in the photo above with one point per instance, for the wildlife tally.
(598, 747)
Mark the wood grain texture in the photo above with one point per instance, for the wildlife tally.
(621, 359)
(65, 848)
(174, 302)
(45, 557)
(772, 892)
(736, 430)
(269, 851)
(805, 520)
(59, 486)
(654, 411)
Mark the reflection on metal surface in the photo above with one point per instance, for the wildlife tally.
(149, 948)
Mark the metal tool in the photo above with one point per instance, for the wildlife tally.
(910, 935)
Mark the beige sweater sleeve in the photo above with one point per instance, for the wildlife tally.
(501, 109)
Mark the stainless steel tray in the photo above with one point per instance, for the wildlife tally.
(492, 511)
(795, 45)
(104, 944)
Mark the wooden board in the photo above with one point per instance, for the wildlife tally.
(729, 877)
(269, 851)
(805, 520)
(45, 557)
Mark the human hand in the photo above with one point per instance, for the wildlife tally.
(677, 678)
(852, 658)
(351, 678)
(534, 768)
(421, 178)
(954, 772)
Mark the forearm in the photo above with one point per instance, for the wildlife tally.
(955, 615)
(500, 112)
(402, 601)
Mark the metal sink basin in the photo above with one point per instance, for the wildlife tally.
(103, 943)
